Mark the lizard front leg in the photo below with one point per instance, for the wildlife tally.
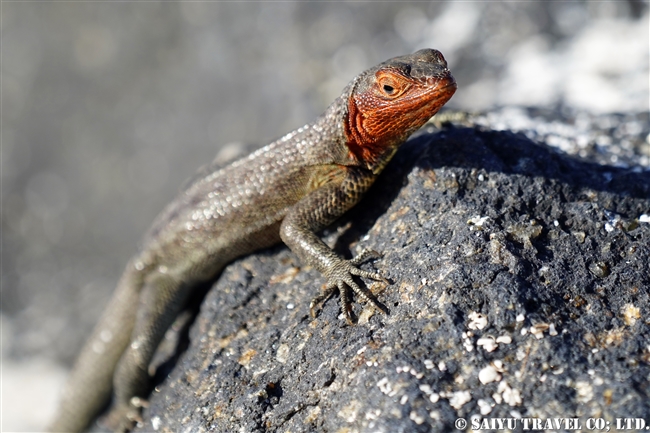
(314, 212)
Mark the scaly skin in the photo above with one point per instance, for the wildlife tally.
(288, 190)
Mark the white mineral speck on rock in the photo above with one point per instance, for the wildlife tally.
(520, 318)
(478, 220)
(487, 343)
(413, 416)
(538, 330)
(510, 395)
(283, 353)
(484, 406)
(521, 354)
(459, 398)
(384, 386)
(488, 374)
(631, 314)
(405, 369)
(373, 414)
(477, 320)
(644, 218)
(505, 339)
(585, 391)
(349, 413)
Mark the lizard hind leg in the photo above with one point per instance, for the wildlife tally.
(162, 299)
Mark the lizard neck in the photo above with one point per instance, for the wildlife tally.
(371, 147)
(340, 125)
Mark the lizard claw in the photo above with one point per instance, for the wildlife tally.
(320, 299)
(123, 418)
(139, 403)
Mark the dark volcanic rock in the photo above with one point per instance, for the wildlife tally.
(520, 288)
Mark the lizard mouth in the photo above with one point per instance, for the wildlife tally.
(445, 83)
(442, 89)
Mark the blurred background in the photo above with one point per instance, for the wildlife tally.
(107, 107)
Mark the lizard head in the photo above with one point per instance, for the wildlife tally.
(389, 102)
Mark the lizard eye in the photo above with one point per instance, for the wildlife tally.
(390, 85)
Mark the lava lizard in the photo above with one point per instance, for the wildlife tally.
(289, 191)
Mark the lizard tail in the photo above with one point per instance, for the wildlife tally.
(88, 388)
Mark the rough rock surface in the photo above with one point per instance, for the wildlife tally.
(521, 288)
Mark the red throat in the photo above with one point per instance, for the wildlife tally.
(374, 126)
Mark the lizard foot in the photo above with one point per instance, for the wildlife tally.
(339, 276)
(123, 418)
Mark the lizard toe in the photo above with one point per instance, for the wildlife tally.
(320, 299)
(364, 293)
(368, 274)
(346, 304)
(123, 418)
(365, 255)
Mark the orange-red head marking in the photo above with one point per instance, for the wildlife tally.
(391, 101)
